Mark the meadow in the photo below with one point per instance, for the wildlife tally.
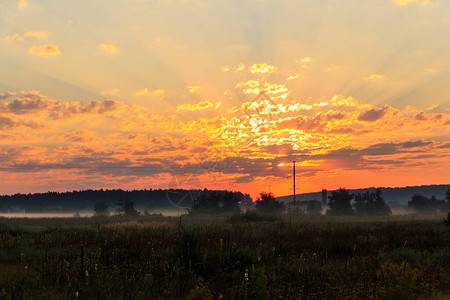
(225, 257)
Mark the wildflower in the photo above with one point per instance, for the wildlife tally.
(87, 273)
(246, 275)
(76, 294)
(26, 267)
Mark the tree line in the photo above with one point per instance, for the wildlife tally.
(340, 203)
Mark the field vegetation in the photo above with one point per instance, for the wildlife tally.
(225, 256)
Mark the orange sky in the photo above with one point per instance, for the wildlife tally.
(194, 94)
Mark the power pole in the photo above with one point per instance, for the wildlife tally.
(293, 177)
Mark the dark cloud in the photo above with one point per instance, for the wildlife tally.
(29, 105)
(6, 95)
(414, 144)
(6, 122)
(372, 114)
(331, 116)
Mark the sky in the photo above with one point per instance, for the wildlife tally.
(218, 94)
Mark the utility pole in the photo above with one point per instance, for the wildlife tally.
(293, 177)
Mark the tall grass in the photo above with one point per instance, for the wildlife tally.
(230, 258)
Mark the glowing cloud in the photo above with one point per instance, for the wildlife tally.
(36, 34)
(262, 68)
(44, 50)
(192, 89)
(141, 92)
(240, 68)
(199, 106)
(375, 77)
(13, 38)
(225, 69)
(111, 92)
(424, 2)
(158, 92)
(292, 77)
(107, 49)
(304, 61)
(404, 2)
(21, 4)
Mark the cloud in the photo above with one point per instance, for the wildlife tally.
(373, 114)
(192, 89)
(158, 92)
(199, 106)
(262, 68)
(256, 87)
(292, 77)
(225, 69)
(374, 77)
(304, 60)
(424, 2)
(6, 122)
(16, 37)
(21, 4)
(145, 91)
(240, 68)
(44, 50)
(28, 104)
(111, 92)
(141, 92)
(404, 2)
(34, 105)
(6, 95)
(13, 38)
(36, 34)
(107, 49)
(118, 142)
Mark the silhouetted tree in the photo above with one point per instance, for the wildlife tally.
(339, 203)
(369, 204)
(267, 204)
(447, 196)
(422, 204)
(126, 206)
(216, 202)
(246, 200)
(101, 209)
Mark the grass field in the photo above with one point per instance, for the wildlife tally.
(204, 257)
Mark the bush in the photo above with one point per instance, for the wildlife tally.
(268, 205)
(101, 209)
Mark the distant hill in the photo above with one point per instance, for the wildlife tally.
(399, 194)
(86, 199)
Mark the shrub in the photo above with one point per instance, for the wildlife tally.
(400, 280)
(268, 205)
